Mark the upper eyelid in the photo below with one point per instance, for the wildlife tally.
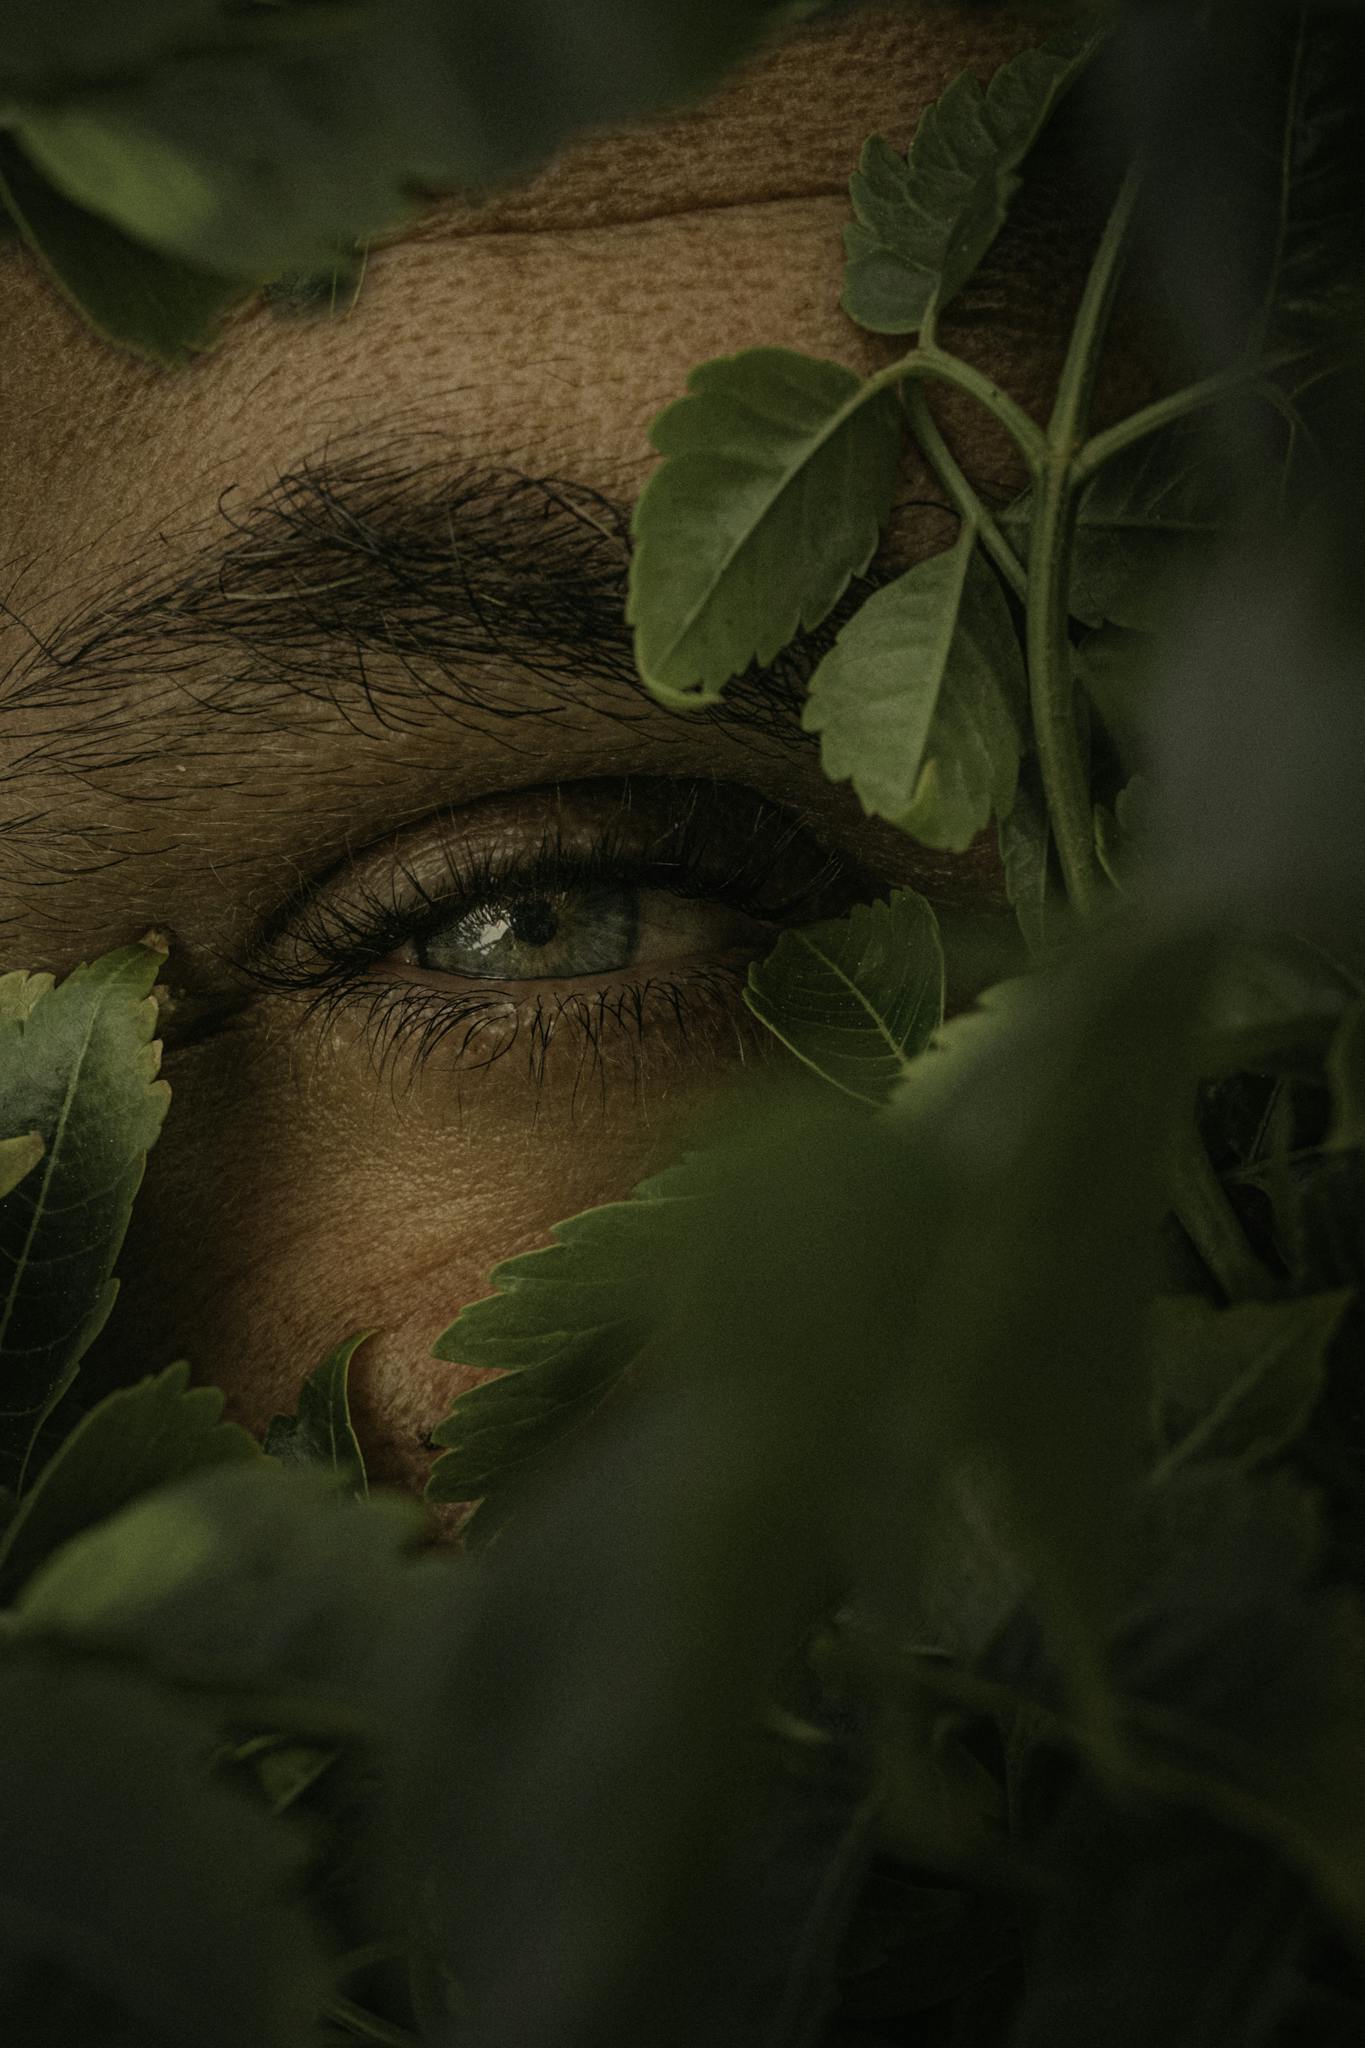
(260, 961)
(356, 859)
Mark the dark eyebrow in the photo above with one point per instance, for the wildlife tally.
(387, 585)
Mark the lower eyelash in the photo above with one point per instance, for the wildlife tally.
(405, 1028)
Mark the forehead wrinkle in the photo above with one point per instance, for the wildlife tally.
(787, 124)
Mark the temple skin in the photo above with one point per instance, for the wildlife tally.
(294, 1197)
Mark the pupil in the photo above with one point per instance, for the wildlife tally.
(534, 924)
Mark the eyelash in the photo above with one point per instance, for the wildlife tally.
(334, 948)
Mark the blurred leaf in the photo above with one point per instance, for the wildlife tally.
(1270, 1002)
(564, 1326)
(138, 1438)
(1238, 1382)
(254, 143)
(296, 293)
(243, 1580)
(1115, 669)
(1025, 837)
(1039, 1254)
(135, 1877)
(1259, 750)
(1144, 523)
(18, 1156)
(1313, 285)
(777, 479)
(926, 220)
(855, 997)
(1346, 1070)
(80, 1068)
(1155, 1926)
(917, 700)
(159, 306)
(82, 37)
(861, 1306)
(321, 1433)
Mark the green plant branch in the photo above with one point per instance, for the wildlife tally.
(947, 469)
(950, 369)
(367, 2026)
(1200, 1204)
(1253, 377)
(1048, 643)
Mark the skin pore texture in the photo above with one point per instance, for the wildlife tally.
(304, 1188)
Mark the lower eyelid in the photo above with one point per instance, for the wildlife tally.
(425, 1030)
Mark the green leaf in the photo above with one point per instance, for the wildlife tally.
(138, 1438)
(19, 992)
(566, 1324)
(1269, 1004)
(305, 293)
(84, 36)
(243, 1580)
(926, 220)
(1116, 669)
(135, 1878)
(1241, 1382)
(1346, 1071)
(1035, 1132)
(1145, 524)
(321, 1433)
(1312, 286)
(916, 701)
(777, 479)
(855, 997)
(1025, 838)
(159, 306)
(80, 1067)
(18, 1156)
(255, 141)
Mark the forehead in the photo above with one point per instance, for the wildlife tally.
(543, 326)
(787, 123)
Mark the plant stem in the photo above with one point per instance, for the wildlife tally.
(367, 2026)
(965, 500)
(950, 369)
(1200, 1203)
(1048, 640)
(1150, 419)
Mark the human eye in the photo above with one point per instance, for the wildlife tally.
(572, 925)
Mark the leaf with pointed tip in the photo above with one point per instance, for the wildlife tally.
(916, 701)
(158, 306)
(1238, 1382)
(80, 1067)
(855, 997)
(321, 1434)
(137, 1438)
(777, 479)
(18, 1156)
(564, 1326)
(19, 992)
(925, 220)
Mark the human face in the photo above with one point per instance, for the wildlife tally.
(313, 1179)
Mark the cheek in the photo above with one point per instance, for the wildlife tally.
(292, 1202)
